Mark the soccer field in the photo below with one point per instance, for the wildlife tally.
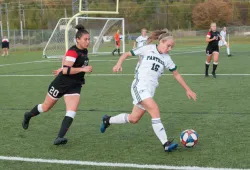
(220, 116)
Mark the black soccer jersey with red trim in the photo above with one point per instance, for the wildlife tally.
(80, 59)
(211, 35)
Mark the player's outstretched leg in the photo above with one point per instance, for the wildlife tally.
(122, 118)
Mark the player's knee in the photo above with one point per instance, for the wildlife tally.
(133, 120)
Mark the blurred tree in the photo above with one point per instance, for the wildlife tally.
(211, 11)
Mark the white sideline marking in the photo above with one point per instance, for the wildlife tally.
(188, 52)
(50, 61)
(39, 61)
(2, 65)
(49, 75)
(109, 164)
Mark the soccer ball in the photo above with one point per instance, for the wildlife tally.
(189, 138)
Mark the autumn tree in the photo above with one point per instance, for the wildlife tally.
(211, 11)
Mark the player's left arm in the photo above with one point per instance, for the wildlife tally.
(181, 81)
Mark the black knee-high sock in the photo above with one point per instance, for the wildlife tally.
(118, 51)
(114, 50)
(206, 68)
(33, 112)
(67, 121)
(214, 67)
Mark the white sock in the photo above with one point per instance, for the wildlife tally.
(159, 130)
(119, 119)
(39, 108)
(228, 51)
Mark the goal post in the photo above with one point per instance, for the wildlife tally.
(101, 32)
(67, 24)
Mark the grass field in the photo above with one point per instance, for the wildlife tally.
(220, 116)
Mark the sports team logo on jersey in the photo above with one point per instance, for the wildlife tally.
(86, 62)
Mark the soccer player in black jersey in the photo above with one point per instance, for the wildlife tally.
(212, 50)
(67, 83)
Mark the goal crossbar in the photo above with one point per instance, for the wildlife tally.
(83, 13)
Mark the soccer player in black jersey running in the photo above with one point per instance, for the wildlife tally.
(67, 83)
(212, 50)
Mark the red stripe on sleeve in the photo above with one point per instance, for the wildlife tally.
(72, 53)
(209, 33)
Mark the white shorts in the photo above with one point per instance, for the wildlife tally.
(141, 90)
(222, 43)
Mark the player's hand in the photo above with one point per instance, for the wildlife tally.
(87, 69)
(191, 94)
(117, 68)
(56, 72)
(214, 38)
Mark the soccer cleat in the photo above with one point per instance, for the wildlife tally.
(26, 121)
(206, 75)
(229, 55)
(170, 146)
(105, 123)
(60, 141)
(113, 53)
(214, 75)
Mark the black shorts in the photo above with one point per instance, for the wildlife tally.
(59, 88)
(5, 45)
(210, 50)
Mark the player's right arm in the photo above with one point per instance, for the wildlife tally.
(124, 56)
(69, 61)
(118, 66)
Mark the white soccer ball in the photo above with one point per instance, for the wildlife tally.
(189, 138)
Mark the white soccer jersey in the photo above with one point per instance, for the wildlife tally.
(223, 34)
(152, 64)
(141, 41)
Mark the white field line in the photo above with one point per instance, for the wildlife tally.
(109, 164)
(39, 61)
(42, 61)
(109, 75)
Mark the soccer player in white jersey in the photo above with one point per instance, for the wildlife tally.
(152, 65)
(142, 39)
(223, 41)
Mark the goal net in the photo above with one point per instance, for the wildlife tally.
(101, 31)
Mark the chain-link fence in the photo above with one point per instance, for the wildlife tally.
(34, 40)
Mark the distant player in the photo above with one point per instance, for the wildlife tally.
(5, 46)
(117, 42)
(68, 83)
(223, 41)
(142, 39)
(153, 64)
(213, 37)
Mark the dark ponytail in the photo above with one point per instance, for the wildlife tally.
(158, 35)
(81, 30)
